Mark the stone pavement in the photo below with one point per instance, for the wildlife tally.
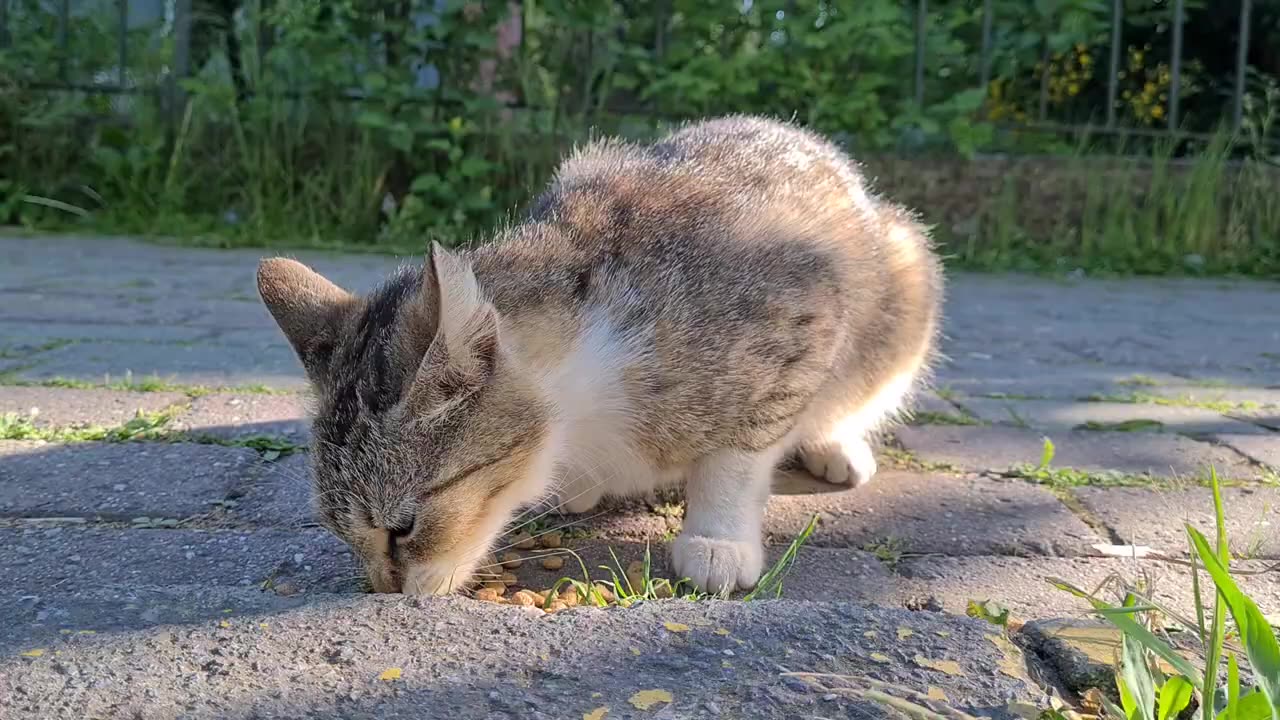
(158, 558)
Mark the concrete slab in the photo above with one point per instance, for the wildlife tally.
(45, 561)
(1264, 449)
(229, 416)
(915, 512)
(454, 657)
(118, 480)
(1131, 417)
(195, 364)
(278, 497)
(1000, 448)
(66, 407)
(1157, 518)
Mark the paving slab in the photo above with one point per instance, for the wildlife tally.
(42, 332)
(993, 448)
(69, 560)
(192, 364)
(67, 407)
(1139, 417)
(1264, 449)
(1022, 584)
(459, 658)
(920, 512)
(1021, 377)
(230, 416)
(278, 496)
(118, 480)
(928, 404)
(31, 307)
(1157, 518)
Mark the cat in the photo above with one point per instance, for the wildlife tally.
(689, 312)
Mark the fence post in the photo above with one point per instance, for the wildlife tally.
(1242, 62)
(64, 22)
(181, 61)
(1113, 80)
(123, 49)
(1175, 66)
(984, 70)
(922, 12)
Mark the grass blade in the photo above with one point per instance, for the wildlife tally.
(1256, 635)
(1217, 630)
(1120, 617)
(1137, 689)
(1175, 696)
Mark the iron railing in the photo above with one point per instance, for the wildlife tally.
(175, 18)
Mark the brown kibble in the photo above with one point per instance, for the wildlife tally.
(489, 562)
(636, 566)
(555, 562)
(539, 599)
(552, 539)
(510, 579)
(524, 598)
(663, 589)
(488, 595)
(605, 593)
(523, 541)
(570, 597)
(636, 581)
(496, 585)
(556, 606)
(511, 561)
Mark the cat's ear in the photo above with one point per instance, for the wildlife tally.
(306, 306)
(464, 351)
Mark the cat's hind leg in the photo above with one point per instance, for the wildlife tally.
(838, 446)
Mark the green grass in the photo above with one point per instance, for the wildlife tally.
(1137, 398)
(143, 427)
(150, 383)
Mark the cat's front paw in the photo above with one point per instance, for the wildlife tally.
(848, 463)
(715, 565)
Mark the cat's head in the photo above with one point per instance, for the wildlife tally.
(426, 437)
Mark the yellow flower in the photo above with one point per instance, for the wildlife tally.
(1157, 111)
(1073, 89)
(1149, 88)
(1085, 60)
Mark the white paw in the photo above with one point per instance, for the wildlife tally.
(849, 463)
(716, 566)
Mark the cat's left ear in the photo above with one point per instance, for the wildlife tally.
(464, 352)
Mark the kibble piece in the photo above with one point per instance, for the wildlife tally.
(511, 561)
(605, 593)
(524, 598)
(556, 606)
(510, 579)
(496, 585)
(488, 595)
(663, 589)
(488, 563)
(555, 562)
(552, 539)
(523, 541)
(570, 597)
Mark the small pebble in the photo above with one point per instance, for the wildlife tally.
(511, 561)
(509, 579)
(556, 606)
(497, 586)
(286, 588)
(523, 542)
(487, 594)
(829, 697)
(552, 539)
(555, 562)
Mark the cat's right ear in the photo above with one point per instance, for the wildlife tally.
(306, 306)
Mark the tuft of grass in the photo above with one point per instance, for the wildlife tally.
(771, 582)
(1149, 693)
(927, 417)
(887, 550)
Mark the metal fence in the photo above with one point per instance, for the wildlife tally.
(175, 18)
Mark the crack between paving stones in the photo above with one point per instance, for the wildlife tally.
(1077, 508)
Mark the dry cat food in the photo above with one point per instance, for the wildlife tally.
(511, 561)
(555, 562)
(552, 539)
(523, 541)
